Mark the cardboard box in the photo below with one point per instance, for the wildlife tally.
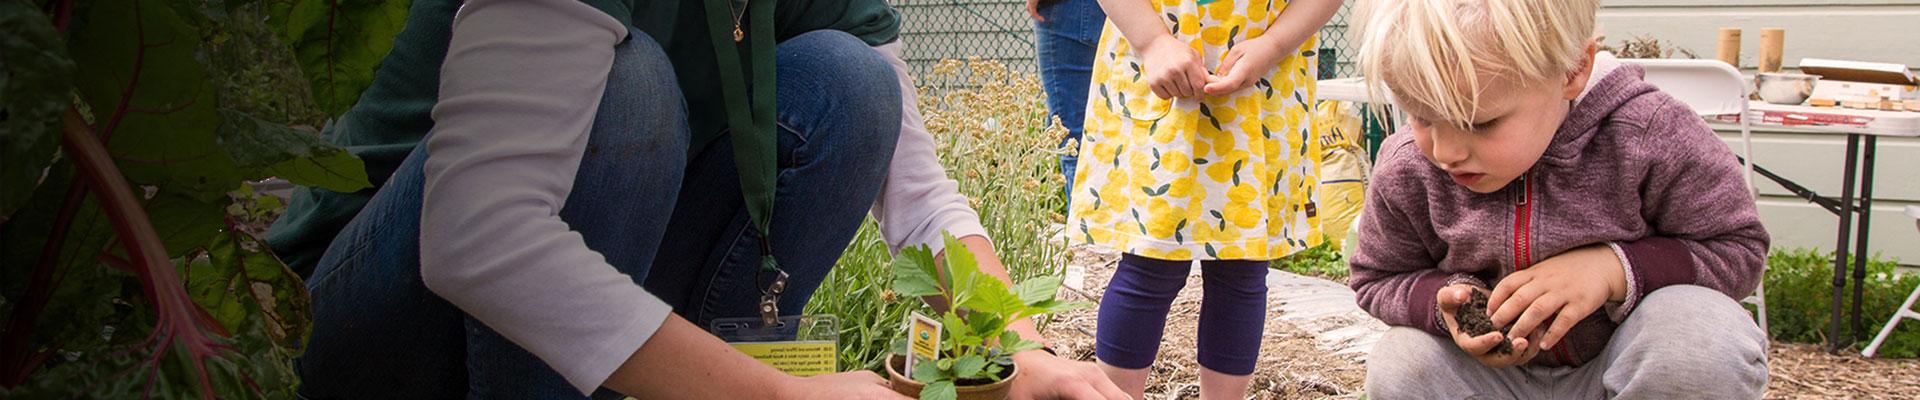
(1861, 81)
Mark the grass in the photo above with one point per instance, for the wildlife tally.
(994, 137)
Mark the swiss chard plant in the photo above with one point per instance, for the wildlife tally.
(975, 347)
(130, 262)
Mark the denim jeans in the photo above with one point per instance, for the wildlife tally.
(675, 222)
(1066, 42)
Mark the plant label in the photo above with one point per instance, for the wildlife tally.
(797, 358)
(799, 345)
(1075, 277)
(923, 338)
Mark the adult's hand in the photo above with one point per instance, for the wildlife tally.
(1033, 10)
(844, 385)
(1047, 376)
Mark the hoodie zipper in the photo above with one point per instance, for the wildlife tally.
(1522, 217)
(1523, 246)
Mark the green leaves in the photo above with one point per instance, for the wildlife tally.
(969, 365)
(270, 149)
(962, 271)
(339, 44)
(1038, 289)
(159, 93)
(914, 273)
(246, 278)
(151, 97)
(939, 390)
(34, 90)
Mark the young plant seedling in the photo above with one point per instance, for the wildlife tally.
(976, 347)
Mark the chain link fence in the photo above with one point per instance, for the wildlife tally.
(933, 30)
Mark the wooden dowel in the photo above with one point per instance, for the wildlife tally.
(1771, 42)
(1730, 46)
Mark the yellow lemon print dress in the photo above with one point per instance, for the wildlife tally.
(1228, 177)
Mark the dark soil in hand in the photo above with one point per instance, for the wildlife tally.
(1474, 320)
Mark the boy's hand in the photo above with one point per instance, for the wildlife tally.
(1245, 64)
(1481, 348)
(1565, 288)
(1173, 69)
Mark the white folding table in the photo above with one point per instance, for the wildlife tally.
(1859, 126)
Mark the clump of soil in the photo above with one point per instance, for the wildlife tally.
(1474, 320)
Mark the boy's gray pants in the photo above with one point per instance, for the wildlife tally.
(1682, 342)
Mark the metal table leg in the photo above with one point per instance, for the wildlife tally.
(1860, 254)
(1834, 335)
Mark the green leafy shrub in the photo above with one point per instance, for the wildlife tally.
(1800, 288)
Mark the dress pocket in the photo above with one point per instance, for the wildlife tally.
(1134, 100)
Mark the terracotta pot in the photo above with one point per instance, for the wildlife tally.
(907, 386)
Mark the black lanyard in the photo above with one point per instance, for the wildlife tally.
(750, 124)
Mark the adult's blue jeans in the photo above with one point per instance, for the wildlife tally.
(674, 221)
(1066, 42)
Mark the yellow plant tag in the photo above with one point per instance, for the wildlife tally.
(799, 345)
(797, 358)
(923, 335)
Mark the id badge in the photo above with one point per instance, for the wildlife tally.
(799, 345)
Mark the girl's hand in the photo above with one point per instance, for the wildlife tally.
(1245, 64)
(1450, 299)
(1564, 288)
(1172, 68)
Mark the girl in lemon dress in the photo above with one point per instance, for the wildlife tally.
(1196, 148)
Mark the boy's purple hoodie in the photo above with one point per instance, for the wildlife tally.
(1630, 167)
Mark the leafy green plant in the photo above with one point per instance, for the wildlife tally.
(1800, 290)
(975, 345)
(127, 266)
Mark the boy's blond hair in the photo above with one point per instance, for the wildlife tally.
(1434, 54)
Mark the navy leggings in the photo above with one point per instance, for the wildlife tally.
(1233, 309)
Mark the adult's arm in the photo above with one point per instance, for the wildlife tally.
(918, 202)
(518, 92)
